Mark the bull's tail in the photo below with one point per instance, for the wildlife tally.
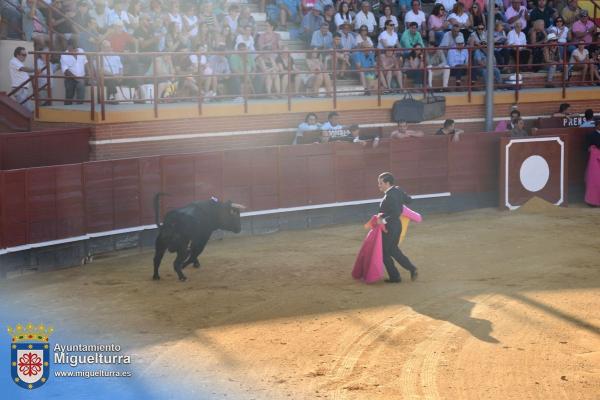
(157, 207)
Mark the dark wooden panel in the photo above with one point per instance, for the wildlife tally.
(150, 185)
(98, 190)
(238, 177)
(14, 208)
(126, 193)
(321, 172)
(70, 210)
(265, 179)
(178, 181)
(209, 175)
(293, 176)
(41, 197)
(349, 164)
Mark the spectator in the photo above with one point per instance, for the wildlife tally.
(502, 54)
(220, 68)
(410, 38)
(243, 64)
(134, 12)
(516, 13)
(449, 38)
(390, 69)
(437, 24)
(458, 60)
(542, 11)
(19, 74)
(342, 57)
(207, 17)
(519, 129)
(415, 64)
(310, 124)
(348, 39)
(328, 17)
(589, 119)
(477, 16)
(480, 62)
(365, 63)
(322, 39)
(319, 75)
(504, 126)
(246, 19)
(74, 67)
(570, 13)
(332, 131)
(119, 38)
(366, 18)
(387, 16)
(478, 36)
(200, 63)
(388, 38)
(402, 131)
(583, 29)
(288, 10)
(580, 61)
(246, 38)
(462, 19)
(285, 63)
(563, 110)
(344, 15)
(448, 4)
(560, 30)
(516, 38)
(231, 19)
(363, 36)
(269, 39)
(265, 64)
(415, 14)
(112, 67)
(449, 128)
(437, 65)
(321, 4)
(104, 16)
(34, 24)
(552, 58)
(122, 15)
(311, 23)
(10, 20)
(537, 36)
(165, 71)
(191, 23)
(595, 68)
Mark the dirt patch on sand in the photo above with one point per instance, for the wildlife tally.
(506, 307)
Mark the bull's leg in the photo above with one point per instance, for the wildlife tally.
(196, 249)
(159, 250)
(178, 263)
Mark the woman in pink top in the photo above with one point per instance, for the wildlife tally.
(437, 24)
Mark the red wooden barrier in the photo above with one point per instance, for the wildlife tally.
(44, 148)
(42, 204)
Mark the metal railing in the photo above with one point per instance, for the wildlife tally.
(97, 79)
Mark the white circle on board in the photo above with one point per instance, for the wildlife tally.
(534, 173)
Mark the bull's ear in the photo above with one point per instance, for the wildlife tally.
(238, 206)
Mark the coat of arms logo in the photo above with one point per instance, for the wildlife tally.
(30, 355)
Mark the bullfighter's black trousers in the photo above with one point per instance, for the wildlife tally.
(391, 251)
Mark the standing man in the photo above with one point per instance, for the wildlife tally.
(390, 210)
(74, 66)
(19, 74)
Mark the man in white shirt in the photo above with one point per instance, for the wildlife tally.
(104, 16)
(19, 74)
(111, 67)
(366, 17)
(415, 14)
(517, 38)
(73, 66)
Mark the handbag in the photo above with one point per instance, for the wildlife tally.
(411, 110)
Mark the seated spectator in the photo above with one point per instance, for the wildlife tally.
(595, 68)
(348, 39)
(269, 39)
(552, 58)
(502, 54)
(458, 60)
(415, 14)
(10, 20)
(310, 124)
(437, 24)
(580, 61)
(265, 63)
(449, 38)
(504, 126)
(221, 71)
(589, 119)
(516, 13)
(342, 58)
(247, 38)
(570, 13)
(165, 71)
(544, 12)
(365, 17)
(318, 76)
(119, 38)
(410, 38)
(462, 19)
(209, 18)
(437, 65)
(537, 35)
(191, 23)
(391, 67)
(388, 16)
(519, 129)
(363, 36)
(480, 63)
(244, 64)
(344, 15)
(563, 110)
(414, 65)
(112, 68)
(288, 11)
(583, 29)
(516, 39)
(328, 17)
(332, 131)
(286, 63)
(479, 35)
(19, 74)
(322, 39)
(200, 63)
(402, 131)
(364, 61)
(74, 67)
(322, 4)
(560, 30)
(450, 129)
(478, 18)
(34, 23)
(311, 23)
(246, 19)
(388, 38)
(104, 16)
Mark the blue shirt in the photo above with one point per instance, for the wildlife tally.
(320, 41)
(366, 60)
(458, 57)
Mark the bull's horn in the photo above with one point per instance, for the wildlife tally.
(240, 206)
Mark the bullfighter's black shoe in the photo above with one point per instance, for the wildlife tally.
(414, 275)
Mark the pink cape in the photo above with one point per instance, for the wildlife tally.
(369, 262)
(592, 178)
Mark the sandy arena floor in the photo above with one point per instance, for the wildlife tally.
(507, 306)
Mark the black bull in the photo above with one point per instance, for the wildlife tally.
(186, 230)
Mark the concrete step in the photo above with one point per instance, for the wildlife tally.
(345, 91)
